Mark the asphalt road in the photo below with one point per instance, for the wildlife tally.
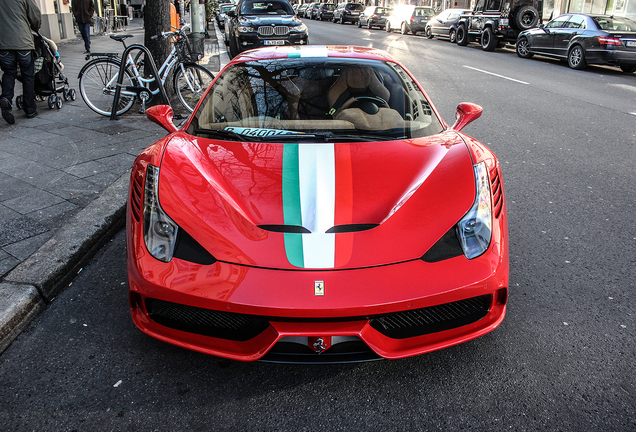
(563, 359)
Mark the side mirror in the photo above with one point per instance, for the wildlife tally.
(231, 13)
(466, 113)
(162, 115)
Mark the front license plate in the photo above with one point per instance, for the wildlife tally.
(630, 43)
(274, 42)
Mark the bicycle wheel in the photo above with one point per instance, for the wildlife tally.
(190, 82)
(97, 86)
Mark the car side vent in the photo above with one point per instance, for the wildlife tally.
(497, 196)
(135, 197)
(418, 322)
(188, 249)
(351, 228)
(291, 229)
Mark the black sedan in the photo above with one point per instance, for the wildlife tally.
(583, 39)
(444, 24)
(373, 16)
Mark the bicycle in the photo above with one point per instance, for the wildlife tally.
(98, 78)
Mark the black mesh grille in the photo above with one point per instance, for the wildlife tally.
(206, 322)
(418, 322)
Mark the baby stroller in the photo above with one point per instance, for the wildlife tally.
(49, 79)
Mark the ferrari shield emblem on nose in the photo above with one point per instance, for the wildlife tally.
(319, 288)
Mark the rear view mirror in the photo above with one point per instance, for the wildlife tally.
(466, 113)
(162, 115)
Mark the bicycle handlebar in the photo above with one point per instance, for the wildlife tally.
(176, 32)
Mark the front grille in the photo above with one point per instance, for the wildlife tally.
(347, 352)
(206, 322)
(418, 322)
(273, 31)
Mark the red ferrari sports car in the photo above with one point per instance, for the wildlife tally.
(316, 208)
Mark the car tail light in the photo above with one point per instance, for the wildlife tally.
(608, 41)
(374, 16)
(412, 18)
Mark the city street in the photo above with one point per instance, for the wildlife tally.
(563, 358)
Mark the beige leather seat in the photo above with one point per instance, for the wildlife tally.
(359, 97)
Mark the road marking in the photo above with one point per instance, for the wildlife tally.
(497, 75)
(634, 113)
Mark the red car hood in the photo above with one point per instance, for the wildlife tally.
(294, 206)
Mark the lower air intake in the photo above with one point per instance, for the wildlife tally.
(418, 322)
(206, 322)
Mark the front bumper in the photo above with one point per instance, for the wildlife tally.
(246, 313)
(254, 40)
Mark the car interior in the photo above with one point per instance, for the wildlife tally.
(310, 97)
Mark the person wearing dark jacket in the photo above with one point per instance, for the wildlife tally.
(17, 19)
(83, 11)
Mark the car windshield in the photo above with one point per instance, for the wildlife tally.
(226, 8)
(317, 99)
(381, 10)
(355, 7)
(329, 6)
(615, 23)
(266, 8)
(423, 12)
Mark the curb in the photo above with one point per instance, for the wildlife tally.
(34, 283)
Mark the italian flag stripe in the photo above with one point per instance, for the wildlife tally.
(309, 200)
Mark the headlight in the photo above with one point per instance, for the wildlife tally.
(160, 232)
(245, 29)
(475, 228)
(299, 29)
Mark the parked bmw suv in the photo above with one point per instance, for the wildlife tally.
(257, 23)
(347, 12)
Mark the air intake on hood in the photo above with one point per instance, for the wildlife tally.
(351, 228)
(338, 229)
(292, 229)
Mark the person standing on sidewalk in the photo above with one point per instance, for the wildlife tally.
(17, 19)
(83, 11)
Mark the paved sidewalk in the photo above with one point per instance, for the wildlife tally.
(63, 187)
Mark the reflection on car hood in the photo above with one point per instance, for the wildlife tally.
(338, 205)
(260, 20)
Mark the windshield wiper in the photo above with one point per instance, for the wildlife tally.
(321, 137)
(219, 133)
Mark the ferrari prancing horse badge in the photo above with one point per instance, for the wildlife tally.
(319, 288)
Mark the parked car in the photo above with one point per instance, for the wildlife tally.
(347, 12)
(308, 9)
(492, 23)
(263, 229)
(444, 25)
(257, 23)
(301, 10)
(374, 16)
(583, 39)
(409, 19)
(222, 17)
(325, 11)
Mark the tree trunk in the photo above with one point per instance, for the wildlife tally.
(157, 20)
